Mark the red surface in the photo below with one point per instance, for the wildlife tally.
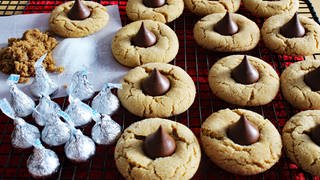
(196, 61)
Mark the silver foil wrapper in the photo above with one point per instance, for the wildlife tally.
(55, 132)
(79, 113)
(42, 83)
(106, 131)
(23, 134)
(42, 162)
(105, 102)
(21, 103)
(79, 148)
(44, 109)
(80, 86)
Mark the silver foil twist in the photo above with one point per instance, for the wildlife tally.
(79, 148)
(23, 133)
(106, 131)
(21, 103)
(42, 83)
(80, 86)
(105, 102)
(44, 109)
(55, 132)
(42, 162)
(79, 113)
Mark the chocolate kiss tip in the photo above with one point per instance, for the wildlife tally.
(79, 11)
(245, 73)
(312, 79)
(156, 84)
(154, 3)
(293, 28)
(226, 26)
(243, 132)
(159, 144)
(144, 37)
(315, 134)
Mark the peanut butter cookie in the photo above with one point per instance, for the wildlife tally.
(205, 7)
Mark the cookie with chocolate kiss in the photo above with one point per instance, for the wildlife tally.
(315, 134)
(79, 11)
(312, 79)
(245, 73)
(144, 37)
(293, 28)
(226, 26)
(156, 84)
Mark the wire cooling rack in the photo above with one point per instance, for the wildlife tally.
(197, 62)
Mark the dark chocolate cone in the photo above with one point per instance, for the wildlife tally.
(154, 3)
(144, 37)
(159, 144)
(293, 28)
(156, 84)
(245, 73)
(226, 26)
(243, 132)
(79, 11)
(312, 79)
(315, 134)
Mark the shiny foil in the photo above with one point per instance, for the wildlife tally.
(44, 109)
(79, 113)
(79, 148)
(21, 103)
(80, 86)
(106, 131)
(24, 134)
(42, 83)
(55, 132)
(42, 162)
(105, 102)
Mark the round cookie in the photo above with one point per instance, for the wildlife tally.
(165, 50)
(132, 162)
(245, 39)
(295, 90)
(263, 8)
(177, 100)
(205, 7)
(299, 147)
(306, 45)
(240, 159)
(136, 10)
(225, 87)
(60, 24)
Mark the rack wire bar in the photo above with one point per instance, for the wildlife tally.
(197, 62)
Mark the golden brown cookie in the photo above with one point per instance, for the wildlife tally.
(133, 163)
(165, 49)
(176, 101)
(275, 41)
(225, 87)
(298, 144)
(60, 24)
(240, 159)
(205, 7)
(137, 10)
(263, 8)
(245, 39)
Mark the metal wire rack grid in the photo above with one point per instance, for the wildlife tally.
(197, 62)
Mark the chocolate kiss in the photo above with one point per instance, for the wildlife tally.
(312, 79)
(226, 26)
(154, 3)
(79, 11)
(245, 73)
(159, 144)
(315, 134)
(243, 132)
(156, 84)
(293, 28)
(144, 37)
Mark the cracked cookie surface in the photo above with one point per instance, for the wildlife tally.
(262, 8)
(134, 164)
(225, 87)
(297, 143)
(136, 10)
(235, 158)
(245, 39)
(295, 90)
(205, 7)
(165, 49)
(306, 45)
(60, 24)
(177, 100)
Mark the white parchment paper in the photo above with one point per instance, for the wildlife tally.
(104, 69)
